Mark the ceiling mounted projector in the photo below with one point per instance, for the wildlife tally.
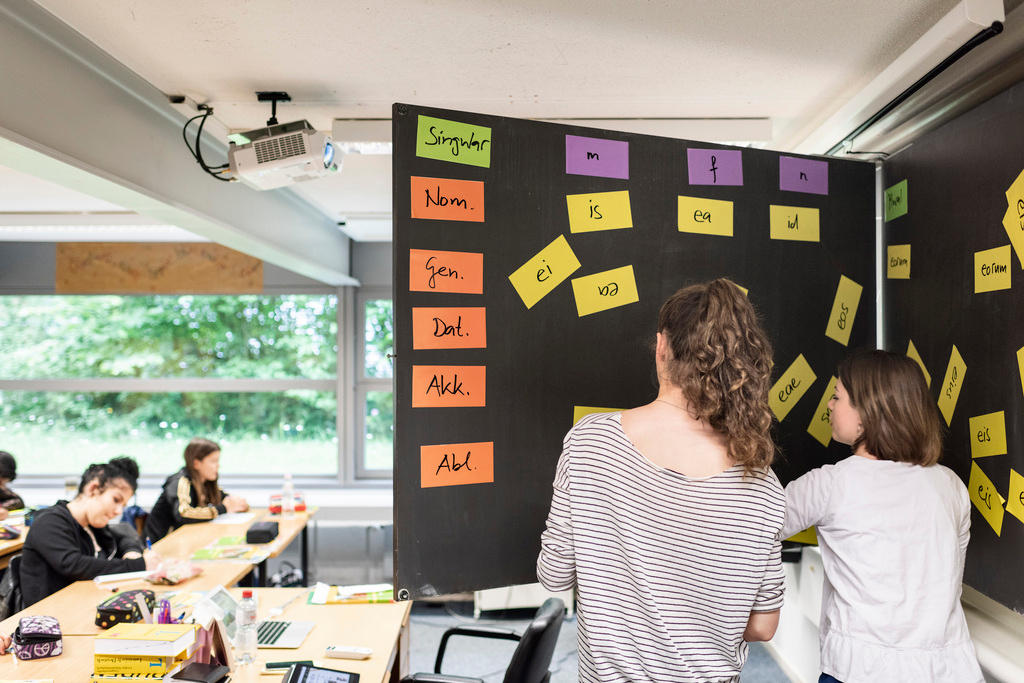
(280, 155)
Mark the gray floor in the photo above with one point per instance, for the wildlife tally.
(485, 658)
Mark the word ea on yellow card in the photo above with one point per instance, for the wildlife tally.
(608, 289)
(916, 357)
(785, 393)
(897, 265)
(992, 269)
(988, 434)
(808, 536)
(537, 277)
(986, 498)
(844, 310)
(896, 200)
(454, 464)
(455, 141)
(705, 216)
(949, 393)
(798, 223)
(579, 412)
(599, 211)
(1015, 498)
(1013, 219)
(821, 422)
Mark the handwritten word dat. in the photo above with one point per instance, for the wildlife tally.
(443, 329)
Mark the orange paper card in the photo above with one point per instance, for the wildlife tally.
(448, 386)
(460, 272)
(447, 199)
(449, 328)
(453, 464)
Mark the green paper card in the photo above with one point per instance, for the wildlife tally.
(462, 143)
(896, 200)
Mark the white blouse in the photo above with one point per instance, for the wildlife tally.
(893, 538)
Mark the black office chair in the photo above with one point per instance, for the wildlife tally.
(531, 659)
(10, 589)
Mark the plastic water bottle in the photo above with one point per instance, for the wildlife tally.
(245, 625)
(288, 497)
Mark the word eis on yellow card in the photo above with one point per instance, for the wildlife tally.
(992, 269)
(988, 435)
(601, 291)
(793, 223)
(705, 216)
(785, 393)
(1015, 498)
(599, 211)
(537, 277)
(821, 422)
(952, 383)
(916, 357)
(844, 310)
(897, 266)
(986, 498)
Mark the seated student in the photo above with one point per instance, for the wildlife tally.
(191, 494)
(70, 541)
(9, 500)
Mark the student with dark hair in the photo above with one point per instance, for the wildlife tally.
(191, 494)
(9, 500)
(70, 541)
(893, 527)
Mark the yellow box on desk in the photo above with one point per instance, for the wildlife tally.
(149, 640)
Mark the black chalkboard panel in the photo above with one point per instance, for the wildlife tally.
(957, 178)
(542, 361)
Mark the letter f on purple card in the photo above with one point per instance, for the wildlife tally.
(714, 166)
(596, 157)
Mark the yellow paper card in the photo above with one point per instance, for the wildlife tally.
(1020, 366)
(844, 310)
(988, 434)
(914, 355)
(951, 384)
(821, 422)
(785, 393)
(1015, 498)
(746, 292)
(808, 536)
(992, 269)
(705, 216)
(599, 211)
(608, 289)
(537, 277)
(898, 264)
(1013, 219)
(793, 223)
(986, 498)
(582, 411)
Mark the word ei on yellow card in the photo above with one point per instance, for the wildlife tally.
(546, 270)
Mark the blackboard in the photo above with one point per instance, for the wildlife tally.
(957, 178)
(540, 362)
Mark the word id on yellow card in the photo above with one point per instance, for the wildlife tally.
(986, 498)
(608, 289)
(988, 434)
(844, 310)
(897, 266)
(992, 269)
(1015, 498)
(579, 412)
(798, 223)
(546, 270)
(952, 383)
(599, 211)
(795, 381)
(916, 357)
(821, 421)
(705, 216)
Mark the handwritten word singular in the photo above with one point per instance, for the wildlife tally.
(455, 142)
(454, 465)
(441, 387)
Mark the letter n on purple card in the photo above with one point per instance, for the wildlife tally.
(594, 156)
(803, 175)
(715, 166)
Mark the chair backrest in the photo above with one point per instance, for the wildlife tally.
(10, 589)
(532, 658)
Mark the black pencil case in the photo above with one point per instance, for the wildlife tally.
(261, 532)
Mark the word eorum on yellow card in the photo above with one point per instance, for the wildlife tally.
(986, 498)
(821, 422)
(798, 223)
(949, 393)
(898, 264)
(992, 269)
(599, 211)
(844, 310)
(537, 277)
(608, 289)
(916, 357)
(579, 412)
(785, 393)
(1015, 498)
(705, 216)
(988, 434)
(1013, 219)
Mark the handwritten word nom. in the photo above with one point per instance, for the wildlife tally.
(993, 268)
(897, 261)
(983, 435)
(844, 311)
(443, 329)
(442, 200)
(441, 387)
(952, 382)
(456, 142)
(454, 465)
(610, 289)
(439, 271)
(788, 390)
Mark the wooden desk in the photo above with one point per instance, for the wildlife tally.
(12, 546)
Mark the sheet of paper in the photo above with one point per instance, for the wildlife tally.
(988, 434)
(453, 272)
(844, 310)
(462, 143)
(790, 387)
(596, 157)
(605, 290)
(582, 411)
(599, 211)
(1015, 497)
(543, 272)
(821, 421)
(443, 327)
(121, 576)
(952, 382)
(916, 357)
(447, 199)
(992, 269)
(798, 223)
(803, 175)
(705, 216)
(985, 497)
(449, 386)
(898, 264)
(896, 200)
(1013, 219)
(714, 166)
(235, 518)
(455, 464)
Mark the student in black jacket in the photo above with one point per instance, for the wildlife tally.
(70, 541)
(9, 500)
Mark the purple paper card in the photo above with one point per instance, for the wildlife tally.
(593, 156)
(803, 175)
(715, 166)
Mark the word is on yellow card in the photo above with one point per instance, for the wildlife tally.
(949, 393)
(986, 498)
(798, 223)
(821, 422)
(992, 269)
(608, 289)
(1013, 219)
(705, 216)
(844, 310)
(988, 434)
(599, 211)
(1015, 498)
(916, 357)
(579, 412)
(897, 266)
(785, 393)
(537, 277)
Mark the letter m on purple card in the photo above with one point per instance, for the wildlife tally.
(596, 157)
(803, 175)
(714, 166)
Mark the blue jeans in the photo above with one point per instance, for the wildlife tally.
(825, 678)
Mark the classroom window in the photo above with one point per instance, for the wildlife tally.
(374, 387)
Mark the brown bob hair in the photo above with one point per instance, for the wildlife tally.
(899, 417)
(722, 361)
(196, 450)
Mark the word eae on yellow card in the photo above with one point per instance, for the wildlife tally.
(795, 381)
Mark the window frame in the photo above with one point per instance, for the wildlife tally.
(363, 384)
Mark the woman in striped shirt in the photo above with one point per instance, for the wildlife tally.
(665, 518)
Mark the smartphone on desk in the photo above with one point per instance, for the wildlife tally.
(307, 673)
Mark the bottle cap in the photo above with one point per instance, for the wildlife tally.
(246, 595)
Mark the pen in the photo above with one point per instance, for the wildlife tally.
(149, 544)
(285, 665)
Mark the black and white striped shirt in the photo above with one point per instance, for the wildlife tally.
(667, 567)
